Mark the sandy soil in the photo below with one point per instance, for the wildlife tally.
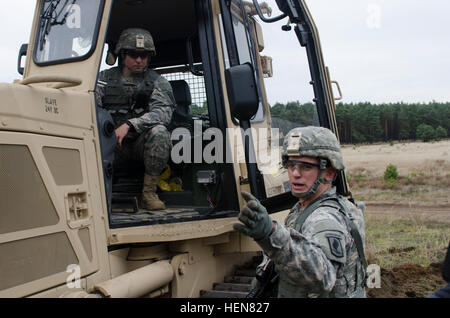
(429, 212)
(406, 156)
(430, 160)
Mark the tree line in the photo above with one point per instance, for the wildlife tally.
(367, 122)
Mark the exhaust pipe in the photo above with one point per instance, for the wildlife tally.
(139, 282)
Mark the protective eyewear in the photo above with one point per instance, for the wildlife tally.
(301, 166)
(136, 54)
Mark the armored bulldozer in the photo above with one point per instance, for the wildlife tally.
(71, 221)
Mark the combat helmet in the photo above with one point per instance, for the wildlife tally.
(317, 142)
(135, 39)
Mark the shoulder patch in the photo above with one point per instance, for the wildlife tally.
(335, 245)
(332, 243)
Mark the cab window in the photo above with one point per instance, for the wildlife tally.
(67, 30)
(244, 46)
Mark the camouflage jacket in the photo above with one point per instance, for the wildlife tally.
(153, 105)
(320, 259)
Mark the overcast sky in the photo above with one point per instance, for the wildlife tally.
(378, 50)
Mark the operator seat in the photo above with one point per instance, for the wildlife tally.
(182, 115)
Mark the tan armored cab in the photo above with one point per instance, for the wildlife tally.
(71, 220)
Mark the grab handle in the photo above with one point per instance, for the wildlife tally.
(61, 80)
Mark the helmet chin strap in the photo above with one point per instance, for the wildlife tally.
(311, 190)
(315, 186)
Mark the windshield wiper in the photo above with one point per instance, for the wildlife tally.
(50, 17)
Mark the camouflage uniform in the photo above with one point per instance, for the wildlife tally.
(150, 139)
(305, 258)
(143, 100)
(317, 256)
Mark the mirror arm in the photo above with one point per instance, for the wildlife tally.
(263, 18)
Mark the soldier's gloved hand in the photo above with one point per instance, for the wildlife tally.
(257, 222)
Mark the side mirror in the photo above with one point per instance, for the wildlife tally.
(22, 52)
(242, 91)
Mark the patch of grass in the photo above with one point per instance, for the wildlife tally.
(390, 176)
(391, 241)
(428, 182)
(359, 176)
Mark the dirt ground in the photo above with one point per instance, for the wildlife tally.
(406, 156)
(431, 160)
(437, 212)
(408, 280)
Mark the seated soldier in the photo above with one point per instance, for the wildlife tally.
(141, 103)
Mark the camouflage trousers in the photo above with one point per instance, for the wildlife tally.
(151, 147)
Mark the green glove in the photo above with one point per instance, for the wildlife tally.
(257, 222)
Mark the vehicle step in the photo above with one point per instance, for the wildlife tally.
(250, 272)
(222, 294)
(232, 287)
(238, 279)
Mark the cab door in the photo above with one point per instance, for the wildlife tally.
(236, 29)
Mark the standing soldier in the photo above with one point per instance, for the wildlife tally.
(141, 103)
(319, 252)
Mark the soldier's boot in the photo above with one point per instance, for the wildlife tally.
(150, 200)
